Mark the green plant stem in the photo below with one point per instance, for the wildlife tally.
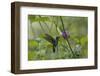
(41, 26)
(65, 47)
(62, 23)
(55, 25)
(51, 24)
(67, 39)
(56, 28)
(70, 47)
(45, 24)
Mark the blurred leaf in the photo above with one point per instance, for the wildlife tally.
(31, 18)
(84, 40)
(32, 43)
(42, 19)
(58, 29)
(31, 55)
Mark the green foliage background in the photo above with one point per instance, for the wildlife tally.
(40, 49)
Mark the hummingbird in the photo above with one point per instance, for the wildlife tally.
(53, 41)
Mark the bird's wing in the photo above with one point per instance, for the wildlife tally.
(49, 38)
